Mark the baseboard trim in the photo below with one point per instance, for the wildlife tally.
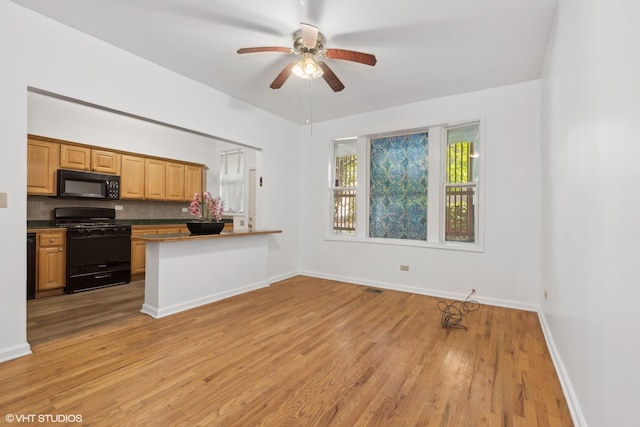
(15, 352)
(158, 313)
(422, 291)
(563, 375)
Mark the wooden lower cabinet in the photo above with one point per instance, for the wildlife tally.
(51, 262)
(139, 249)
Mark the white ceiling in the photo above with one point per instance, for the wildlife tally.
(425, 48)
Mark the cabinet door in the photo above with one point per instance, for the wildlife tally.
(75, 157)
(132, 178)
(175, 182)
(138, 257)
(155, 181)
(51, 268)
(193, 178)
(139, 249)
(103, 161)
(43, 158)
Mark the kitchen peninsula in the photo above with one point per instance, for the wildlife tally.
(184, 271)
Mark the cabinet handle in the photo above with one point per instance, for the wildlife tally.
(52, 240)
(60, 250)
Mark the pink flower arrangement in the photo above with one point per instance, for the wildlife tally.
(207, 208)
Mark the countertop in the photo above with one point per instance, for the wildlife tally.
(176, 237)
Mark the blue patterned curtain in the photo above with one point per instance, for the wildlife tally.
(398, 187)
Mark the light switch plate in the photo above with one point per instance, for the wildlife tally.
(3, 200)
(240, 223)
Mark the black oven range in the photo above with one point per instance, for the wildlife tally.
(98, 249)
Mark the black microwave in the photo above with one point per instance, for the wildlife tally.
(78, 184)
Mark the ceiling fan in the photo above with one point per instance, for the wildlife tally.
(308, 44)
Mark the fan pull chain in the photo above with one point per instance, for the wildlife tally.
(309, 108)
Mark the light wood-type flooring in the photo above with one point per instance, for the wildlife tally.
(302, 352)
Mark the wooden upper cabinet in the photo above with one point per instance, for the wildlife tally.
(155, 180)
(43, 158)
(193, 181)
(141, 177)
(132, 177)
(75, 157)
(175, 182)
(89, 159)
(103, 161)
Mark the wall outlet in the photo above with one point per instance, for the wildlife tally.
(404, 267)
(3, 200)
(185, 209)
(119, 207)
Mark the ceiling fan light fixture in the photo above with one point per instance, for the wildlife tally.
(307, 68)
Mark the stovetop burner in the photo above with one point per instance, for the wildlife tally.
(90, 225)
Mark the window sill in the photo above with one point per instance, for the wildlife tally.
(464, 247)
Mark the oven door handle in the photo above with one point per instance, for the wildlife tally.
(102, 276)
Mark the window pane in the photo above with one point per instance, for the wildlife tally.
(344, 211)
(460, 188)
(398, 187)
(462, 159)
(345, 185)
(346, 163)
(460, 214)
(232, 180)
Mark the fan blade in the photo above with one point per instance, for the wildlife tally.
(265, 49)
(282, 77)
(309, 35)
(329, 76)
(351, 55)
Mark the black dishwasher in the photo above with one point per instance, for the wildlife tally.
(31, 265)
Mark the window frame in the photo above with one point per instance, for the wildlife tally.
(437, 144)
(444, 185)
(333, 188)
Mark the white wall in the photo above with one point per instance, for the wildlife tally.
(590, 154)
(71, 121)
(507, 272)
(40, 53)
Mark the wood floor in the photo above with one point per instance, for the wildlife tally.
(302, 352)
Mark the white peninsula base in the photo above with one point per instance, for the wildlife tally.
(185, 271)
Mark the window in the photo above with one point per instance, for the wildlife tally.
(232, 180)
(345, 182)
(398, 187)
(461, 184)
(421, 187)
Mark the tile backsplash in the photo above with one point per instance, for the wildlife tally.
(41, 208)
